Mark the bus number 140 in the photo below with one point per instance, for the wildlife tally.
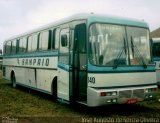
(91, 80)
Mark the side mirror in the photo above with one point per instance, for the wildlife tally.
(64, 40)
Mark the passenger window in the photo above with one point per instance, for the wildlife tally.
(14, 42)
(53, 39)
(22, 44)
(57, 31)
(32, 43)
(8, 48)
(43, 40)
(29, 44)
(64, 40)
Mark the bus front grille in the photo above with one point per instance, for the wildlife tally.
(125, 94)
(139, 93)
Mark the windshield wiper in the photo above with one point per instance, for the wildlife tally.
(121, 52)
(140, 57)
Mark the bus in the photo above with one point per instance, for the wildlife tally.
(156, 57)
(1, 59)
(89, 59)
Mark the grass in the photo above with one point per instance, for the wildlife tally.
(24, 103)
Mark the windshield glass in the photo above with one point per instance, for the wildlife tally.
(112, 45)
(138, 39)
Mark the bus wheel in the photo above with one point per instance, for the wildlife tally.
(54, 89)
(13, 81)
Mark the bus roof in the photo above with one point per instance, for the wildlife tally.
(91, 18)
(117, 20)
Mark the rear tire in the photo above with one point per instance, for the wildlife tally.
(13, 79)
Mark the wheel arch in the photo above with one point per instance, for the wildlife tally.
(11, 75)
(54, 85)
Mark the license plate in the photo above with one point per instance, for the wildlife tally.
(131, 101)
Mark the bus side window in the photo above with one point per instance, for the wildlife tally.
(14, 42)
(80, 37)
(22, 44)
(57, 32)
(50, 39)
(44, 40)
(29, 44)
(53, 39)
(64, 40)
(8, 47)
(34, 42)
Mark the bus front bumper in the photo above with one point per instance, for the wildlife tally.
(99, 97)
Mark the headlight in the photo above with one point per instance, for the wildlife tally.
(147, 90)
(114, 93)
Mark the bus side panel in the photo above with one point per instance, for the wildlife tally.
(25, 76)
(8, 72)
(21, 75)
(44, 79)
(63, 86)
(31, 79)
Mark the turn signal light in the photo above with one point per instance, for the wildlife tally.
(114, 93)
(102, 94)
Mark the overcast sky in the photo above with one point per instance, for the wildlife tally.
(18, 16)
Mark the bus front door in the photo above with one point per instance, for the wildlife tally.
(72, 64)
(64, 66)
(80, 64)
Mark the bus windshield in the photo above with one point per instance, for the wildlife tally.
(111, 45)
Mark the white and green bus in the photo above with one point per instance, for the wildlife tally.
(156, 57)
(87, 58)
